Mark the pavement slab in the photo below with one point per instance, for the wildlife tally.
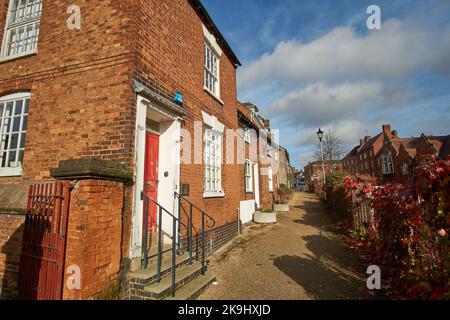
(302, 257)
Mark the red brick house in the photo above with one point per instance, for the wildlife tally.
(139, 82)
(313, 173)
(392, 159)
(261, 157)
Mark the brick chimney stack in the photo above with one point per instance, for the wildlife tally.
(361, 142)
(367, 138)
(387, 130)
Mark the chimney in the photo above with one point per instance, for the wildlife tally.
(361, 142)
(367, 138)
(387, 129)
(267, 124)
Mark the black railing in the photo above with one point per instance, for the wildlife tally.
(206, 221)
(175, 222)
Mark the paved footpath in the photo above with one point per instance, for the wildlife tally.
(302, 257)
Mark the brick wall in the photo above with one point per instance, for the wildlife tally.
(80, 86)
(11, 232)
(171, 58)
(94, 238)
(215, 238)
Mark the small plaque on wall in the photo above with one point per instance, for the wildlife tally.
(185, 189)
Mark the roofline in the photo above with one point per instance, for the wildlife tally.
(201, 10)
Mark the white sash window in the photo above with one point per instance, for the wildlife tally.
(22, 28)
(13, 129)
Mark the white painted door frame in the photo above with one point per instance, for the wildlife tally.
(170, 152)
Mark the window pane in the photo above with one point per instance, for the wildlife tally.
(27, 105)
(22, 140)
(25, 123)
(14, 141)
(18, 108)
(12, 158)
(2, 106)
(16, 124)
(9, 108)
(6, 125)
(3, 160)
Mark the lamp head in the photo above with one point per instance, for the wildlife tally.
(320, 134)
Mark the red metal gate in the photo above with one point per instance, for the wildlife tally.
(41, 272)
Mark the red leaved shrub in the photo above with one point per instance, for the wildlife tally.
(408, 233)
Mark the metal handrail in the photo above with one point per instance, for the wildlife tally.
(147, 199)
(210, 224)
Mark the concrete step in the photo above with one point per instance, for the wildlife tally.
(183, 275)
(147, 276)
(153, 251)
(193, 288)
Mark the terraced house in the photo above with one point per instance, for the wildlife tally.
(114, 110)
(392, 159)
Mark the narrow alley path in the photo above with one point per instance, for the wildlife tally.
(301, 257)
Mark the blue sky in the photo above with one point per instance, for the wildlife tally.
(313, 63)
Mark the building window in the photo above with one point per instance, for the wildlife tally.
(247, 136)
(270, 175)
(387, 166)
(405, 169)
(13, 129)
(212, 71)
(213, 161)
(248, 176)
(22, 28)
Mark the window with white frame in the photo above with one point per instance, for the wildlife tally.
(405, 169)
(247, 136)
(248, 176)
(387, 166)
(270, 176)
(13, 128)
(22, 28)
(213, 161)
(212, 71)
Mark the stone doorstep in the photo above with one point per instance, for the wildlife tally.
(182, 277)
(141, 278)
(194, 288)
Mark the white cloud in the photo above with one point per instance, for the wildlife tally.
(398, 50)
(319, 103)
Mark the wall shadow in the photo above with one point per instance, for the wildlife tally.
(12, 250)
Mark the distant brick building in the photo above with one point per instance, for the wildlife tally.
(390, 158)
(313, 172)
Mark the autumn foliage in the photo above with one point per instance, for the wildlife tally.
(408, 232)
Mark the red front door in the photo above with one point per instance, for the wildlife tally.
(151, 175)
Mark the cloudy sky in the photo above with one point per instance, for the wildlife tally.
(313, 63)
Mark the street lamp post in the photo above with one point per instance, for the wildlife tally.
(320, 136)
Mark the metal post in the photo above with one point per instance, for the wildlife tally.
(179, 225)
(159, 245)
(190, 234)
(203, 244)
(145, 235)
(174, 253)
(323, 170)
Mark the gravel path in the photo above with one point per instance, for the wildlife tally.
(302, 257)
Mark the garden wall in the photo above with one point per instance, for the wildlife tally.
(11, 231)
